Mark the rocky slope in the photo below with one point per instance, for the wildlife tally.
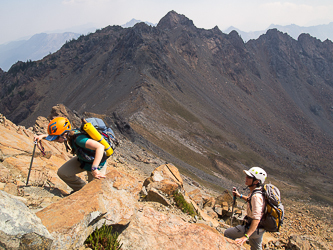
(152, 225)
(206, 101)
(117, 201)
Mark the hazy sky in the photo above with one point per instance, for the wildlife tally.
(22, 18)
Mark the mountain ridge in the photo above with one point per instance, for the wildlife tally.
(322, 32)
(22, 49)
(203, 97)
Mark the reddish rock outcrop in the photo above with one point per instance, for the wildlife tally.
(224, 197)
(111, 201)
(196, 196)
(16, 149)
(151, 229)
(164, 179)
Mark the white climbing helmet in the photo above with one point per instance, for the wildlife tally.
(257, 173)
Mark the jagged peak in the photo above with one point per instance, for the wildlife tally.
(173, 19)
(275, 35)
(307, 37)
(234, 33)
(141, 26)
(216, 29)
(235, 37)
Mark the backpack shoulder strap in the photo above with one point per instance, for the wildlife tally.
(254, 191)
(73, 134)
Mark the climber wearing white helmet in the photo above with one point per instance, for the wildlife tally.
(255, 177)
(257, 174)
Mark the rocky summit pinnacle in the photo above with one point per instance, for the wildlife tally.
(173, 19)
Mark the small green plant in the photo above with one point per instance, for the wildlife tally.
(182, 204)
(103, 239)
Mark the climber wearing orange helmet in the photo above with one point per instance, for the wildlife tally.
(58, 131)
(251, 231)
(57, 127)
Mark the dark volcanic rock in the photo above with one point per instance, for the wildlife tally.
(173, 19)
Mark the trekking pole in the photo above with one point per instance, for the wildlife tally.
(233, 206)
(32, 159)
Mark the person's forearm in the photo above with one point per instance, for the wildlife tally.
(247, 235)
(99, 151)
(98, 156)
(40, 137)
(253, 227)
(242, 197)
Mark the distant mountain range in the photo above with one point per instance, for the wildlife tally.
(42, 44)
(321, 32)
(134, 21)
(33, 49)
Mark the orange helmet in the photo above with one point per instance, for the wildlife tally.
(57, 127)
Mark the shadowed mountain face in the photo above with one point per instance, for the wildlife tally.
(206, 101)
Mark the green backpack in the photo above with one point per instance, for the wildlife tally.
(85, 154)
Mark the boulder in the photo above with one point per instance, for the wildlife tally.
(41, 124)
(209, 202)
(151, 229)
(165, 172)
(112, 201)
(62, 110)
(11, 188)
(239, 217)
(224, 197)
(229, 212)
(271, 242)
(210, 221)
(154, 195)
(165, 186)
(298, 243)
(225, 208)
(196, 196)
(237, 211)
(218, 209)
(210, 212)
(19, 228)
(165, 179)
